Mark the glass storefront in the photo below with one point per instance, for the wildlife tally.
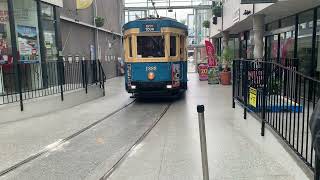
(317, 48)
(304, 46)
(48, 25)
(5, 48)
(27, 31)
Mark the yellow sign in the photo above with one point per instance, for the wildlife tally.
(253, 97)
(83, 4)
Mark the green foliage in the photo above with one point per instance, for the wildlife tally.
(227, 57)
(206, 24)
(99, 21)
(217, 9)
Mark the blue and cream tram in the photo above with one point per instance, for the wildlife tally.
(155, 56)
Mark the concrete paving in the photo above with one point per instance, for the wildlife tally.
(23, 138)
(171, 150)
(235, 148)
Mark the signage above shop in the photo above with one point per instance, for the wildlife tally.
(257, 1)
(54, 2)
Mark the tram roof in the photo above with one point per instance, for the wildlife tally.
(157, 22)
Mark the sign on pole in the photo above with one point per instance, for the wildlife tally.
(257, 1)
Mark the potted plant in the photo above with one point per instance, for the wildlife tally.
(99, 21)
(217, 9)
(225, 74)
(206, 24)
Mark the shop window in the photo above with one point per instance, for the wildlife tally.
(288, 22)
(27, 30)
(48, 23)
(304, 49)
(6, 79)
(173, 43)
(272, 26)
(317, 48)
(150, 46)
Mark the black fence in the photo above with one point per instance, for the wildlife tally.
(23, 81)
(282, 97)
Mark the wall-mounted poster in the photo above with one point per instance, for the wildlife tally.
(28, 43)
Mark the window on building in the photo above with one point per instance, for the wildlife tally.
(48, 25)
(305, 31)
(272, 48)
(287, 45)
(6, 79)
(272, 26)
(150, 46)
(317, 48)
(27, 30)
(288, 22)
(173, 48)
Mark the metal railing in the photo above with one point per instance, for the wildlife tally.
(282, 98)
(23, 81)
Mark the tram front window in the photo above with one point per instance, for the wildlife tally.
(150, 46)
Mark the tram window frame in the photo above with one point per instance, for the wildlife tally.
(173, 49)
(141, 47)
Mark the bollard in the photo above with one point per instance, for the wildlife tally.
(203, 142)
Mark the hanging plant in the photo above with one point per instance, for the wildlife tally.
(99, 21)
(217, 10)
(206, 24)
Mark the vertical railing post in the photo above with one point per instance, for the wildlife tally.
(86, 76)
(245, 88)
(264, 95)
(61, 77)
(83, 74)
(19, 81)
(203, 142)
(233, 83)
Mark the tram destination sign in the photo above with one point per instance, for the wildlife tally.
(257, 1)
(150, 27)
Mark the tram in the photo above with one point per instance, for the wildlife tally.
(155, 56)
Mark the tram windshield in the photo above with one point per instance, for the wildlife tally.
(150, 46)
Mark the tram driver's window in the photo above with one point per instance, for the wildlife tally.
(150, 46)
(173, 43)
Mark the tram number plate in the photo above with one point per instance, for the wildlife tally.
(150, 27)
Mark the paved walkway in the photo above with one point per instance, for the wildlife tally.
(171, 150)
(235, 148)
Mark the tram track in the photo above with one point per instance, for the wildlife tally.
(61, 142)
(131, 149)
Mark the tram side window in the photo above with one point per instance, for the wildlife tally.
(173, 43)
(130, 46)
(182, 47)
(150, 46)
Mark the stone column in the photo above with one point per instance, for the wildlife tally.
(258, 30)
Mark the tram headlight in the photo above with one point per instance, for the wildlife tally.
(133, 87)
(151, 75)
(169, 86)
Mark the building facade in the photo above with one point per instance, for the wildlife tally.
(274, 31)
(35, 32)
(81, 39)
